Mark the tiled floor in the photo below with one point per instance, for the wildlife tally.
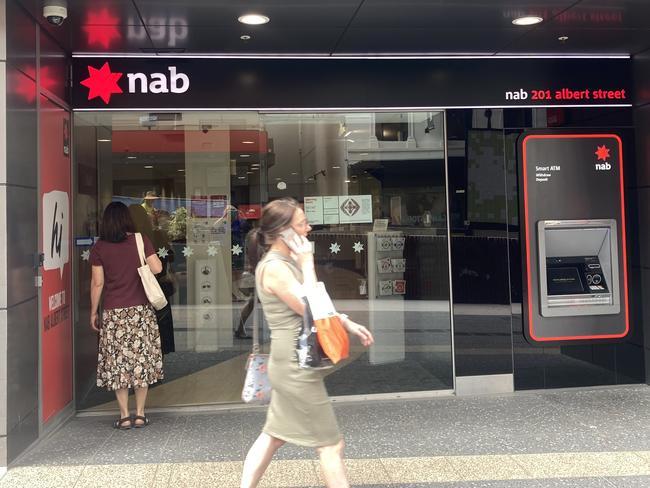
(572, 438)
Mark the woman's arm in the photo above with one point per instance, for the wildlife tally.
(155, 264)
(96, 287)
(278, 279)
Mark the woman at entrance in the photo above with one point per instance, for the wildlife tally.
(129, 341)
(300, 412)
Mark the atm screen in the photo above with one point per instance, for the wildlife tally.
(564, 281)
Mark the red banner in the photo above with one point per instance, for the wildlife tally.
(56, 237)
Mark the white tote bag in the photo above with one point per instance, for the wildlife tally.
(149, 282)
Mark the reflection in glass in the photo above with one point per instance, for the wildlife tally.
(376, 200)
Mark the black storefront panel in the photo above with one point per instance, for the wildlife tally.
(213, 83)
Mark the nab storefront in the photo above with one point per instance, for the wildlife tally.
(471, 212)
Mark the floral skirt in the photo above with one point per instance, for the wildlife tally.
(129, 348)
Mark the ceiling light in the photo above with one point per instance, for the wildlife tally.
(241, 177)
(249, 172)
(363, 154)
(527, 20)
(294, 173)
(181, 171)
(336, 167)
(563, 38)
(244, 155)
(278, 179)
(348, 181)
(148, 167)
(248, 142)
(103, 140)
(253, 19)
(245, 37)
(131, 157)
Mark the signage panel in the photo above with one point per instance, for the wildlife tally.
(56, 245)
(217, 83)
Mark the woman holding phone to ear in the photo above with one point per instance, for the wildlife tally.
(300, 411)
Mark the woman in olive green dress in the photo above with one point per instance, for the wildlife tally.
(300, 411)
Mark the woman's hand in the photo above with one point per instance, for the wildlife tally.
(94, 321)
(301, 250)
(364, 335)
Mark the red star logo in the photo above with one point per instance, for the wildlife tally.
(101, 28)
(102, 83)
(602, 152)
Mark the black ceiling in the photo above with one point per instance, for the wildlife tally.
(340, 27)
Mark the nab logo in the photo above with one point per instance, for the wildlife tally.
(103, 82)
(603, 153)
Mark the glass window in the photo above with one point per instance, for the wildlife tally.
(373, 187)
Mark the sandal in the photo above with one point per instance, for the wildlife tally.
(119, 424)
(145, 421)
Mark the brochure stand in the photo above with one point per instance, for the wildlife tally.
(386, 289)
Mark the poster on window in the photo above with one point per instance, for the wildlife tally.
(56, 237)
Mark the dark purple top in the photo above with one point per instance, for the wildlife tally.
(122, 285)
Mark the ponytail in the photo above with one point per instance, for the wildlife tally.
(255, 248)
(276, 216)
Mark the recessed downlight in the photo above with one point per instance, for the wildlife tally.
(253, 19)
(245, 37)
(248, 142)
(103, 140)
(244, 155)
(563, 38)
(131, 157)
(527, 20)
(148, 167)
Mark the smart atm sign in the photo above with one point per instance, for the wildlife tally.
(331, 83)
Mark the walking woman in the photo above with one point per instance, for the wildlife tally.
(129, 340)
(300, 412)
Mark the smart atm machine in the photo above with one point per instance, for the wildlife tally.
(575, 278)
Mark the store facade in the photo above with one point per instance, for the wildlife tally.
(412, 173)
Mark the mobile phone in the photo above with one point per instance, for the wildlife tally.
(288, 235)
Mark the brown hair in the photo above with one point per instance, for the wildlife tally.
(116, 222)
(276, 216)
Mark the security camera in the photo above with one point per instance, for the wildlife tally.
(205, 128)
(55, 11)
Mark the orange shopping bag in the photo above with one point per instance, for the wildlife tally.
(330, 332)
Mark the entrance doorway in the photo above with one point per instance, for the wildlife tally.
(374, 188)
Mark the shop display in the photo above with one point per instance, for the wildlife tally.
(398, 265)
(398, 243)
(399, 287)
(384, 265)
(386, 288)
(384, 244)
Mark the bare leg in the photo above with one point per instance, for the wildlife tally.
(140, 400)
(245, 313)
(332, 467)
(258, 459)
(122, 396)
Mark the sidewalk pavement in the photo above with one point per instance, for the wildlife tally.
(561, 438)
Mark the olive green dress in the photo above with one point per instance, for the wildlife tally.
(300, 411)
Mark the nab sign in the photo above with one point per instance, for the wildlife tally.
(103, 82)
